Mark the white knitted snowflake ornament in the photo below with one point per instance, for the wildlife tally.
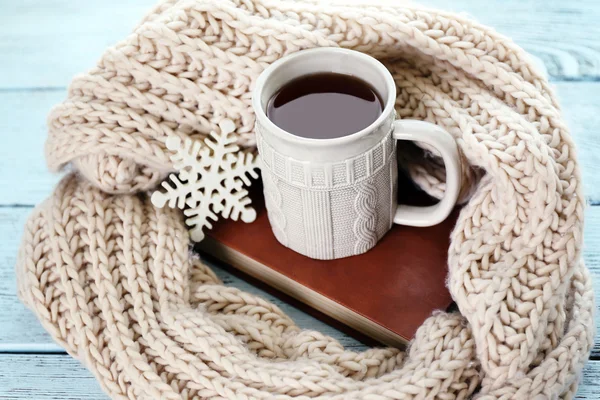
(210, 180)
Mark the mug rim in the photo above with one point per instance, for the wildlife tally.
(261, 114)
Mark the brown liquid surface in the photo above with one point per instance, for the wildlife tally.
(324, 106)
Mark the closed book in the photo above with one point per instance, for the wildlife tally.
(385, 293)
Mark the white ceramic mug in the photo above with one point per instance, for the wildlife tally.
(333, 198)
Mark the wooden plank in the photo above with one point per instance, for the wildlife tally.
(46, 377)
(19, 329)
(588, 387)
(580, 102)
(44, 43)
(21, 332)
(591, 253)
(24, 178)
(22, 126)
(59, 377)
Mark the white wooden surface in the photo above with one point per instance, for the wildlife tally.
(44, 43)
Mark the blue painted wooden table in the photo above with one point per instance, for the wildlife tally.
(44, 43)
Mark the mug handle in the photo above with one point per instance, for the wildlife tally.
(431, 134)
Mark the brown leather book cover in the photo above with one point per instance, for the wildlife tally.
(385, 293)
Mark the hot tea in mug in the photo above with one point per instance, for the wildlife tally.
(324, 106)
(326, 135)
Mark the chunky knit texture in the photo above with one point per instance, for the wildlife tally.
(110, 277)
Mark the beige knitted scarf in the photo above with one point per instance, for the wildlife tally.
(112, 279)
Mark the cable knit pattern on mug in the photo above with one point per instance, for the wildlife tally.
(273, 200)
(366, 217)
(313, 198)
(111, 279)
